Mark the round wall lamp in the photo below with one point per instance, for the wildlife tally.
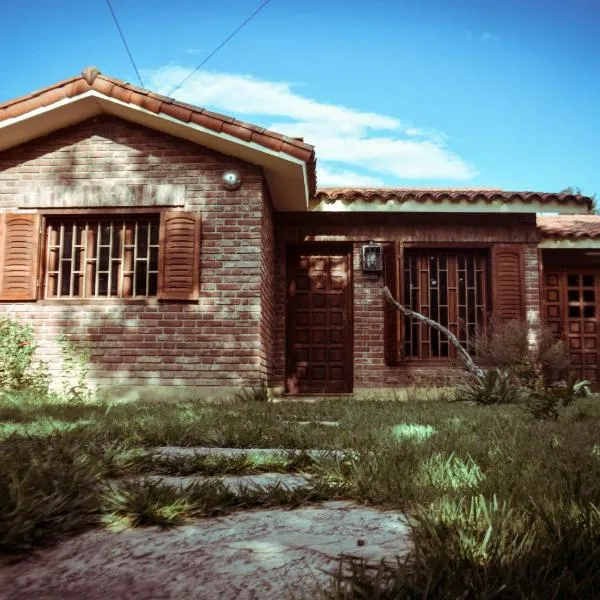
(232, 180)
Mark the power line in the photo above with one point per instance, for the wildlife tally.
(241, 26)
(112, 12)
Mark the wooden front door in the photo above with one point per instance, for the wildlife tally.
(319, 324)
(571, 312)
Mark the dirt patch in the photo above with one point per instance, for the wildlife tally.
(272, 555)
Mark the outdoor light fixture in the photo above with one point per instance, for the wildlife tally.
(372, 257)
(231, 180)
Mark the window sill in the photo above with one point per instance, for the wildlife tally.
(429, 362)
(99, 301)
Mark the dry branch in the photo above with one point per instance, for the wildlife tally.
(471, 366)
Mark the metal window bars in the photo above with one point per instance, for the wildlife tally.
(450, 287)
(101, 258)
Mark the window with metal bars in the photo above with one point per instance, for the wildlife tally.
(96, 258)
(450, 287)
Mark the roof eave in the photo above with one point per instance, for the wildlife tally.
(569, 243)
(287, 176)
(497, 207)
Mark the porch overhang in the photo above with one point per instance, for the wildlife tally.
(580, 244)
(446, 201)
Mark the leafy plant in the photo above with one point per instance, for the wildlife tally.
(75, 367)
(254, 394)
(147, 503)
(494, 387)
(17, 350)
(543, 405)
(545, 402)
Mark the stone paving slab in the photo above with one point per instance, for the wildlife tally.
(290, 481)
(324, 423)
(176, 451)
(272, 555)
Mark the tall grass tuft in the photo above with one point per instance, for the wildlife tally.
(48, 487)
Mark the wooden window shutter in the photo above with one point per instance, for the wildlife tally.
(391, 317)
(19, 256)
(179, 256)
(507, 269)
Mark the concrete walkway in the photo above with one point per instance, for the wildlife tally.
(254, 555)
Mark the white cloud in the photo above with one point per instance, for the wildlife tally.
(193, 50)
(330, 176)
(382, 144)
(484, 36)
(248, 95)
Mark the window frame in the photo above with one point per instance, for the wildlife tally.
(136, 212)
(423, 247)
(97, 220)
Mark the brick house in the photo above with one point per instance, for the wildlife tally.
(189, 250)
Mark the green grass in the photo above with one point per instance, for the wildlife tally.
(502, 505)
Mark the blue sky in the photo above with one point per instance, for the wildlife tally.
(463, 94)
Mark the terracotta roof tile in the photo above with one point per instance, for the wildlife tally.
(570, 227)
(151, 104)
(121, 93)
(177, 112)
(237, 131)
(455, 196)
(103, 85)
(203, 120)
(92, 79)
(268, 141)
(80, 86)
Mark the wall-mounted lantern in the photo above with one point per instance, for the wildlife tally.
(372, 257)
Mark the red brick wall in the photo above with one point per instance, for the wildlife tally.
(532, 284)
(215, 342)
(369, 366)
(267, 251)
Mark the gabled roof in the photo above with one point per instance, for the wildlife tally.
(570, 227)
(114, 97)
(289, 163)
(459, 200)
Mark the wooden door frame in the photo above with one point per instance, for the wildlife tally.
(315, 248)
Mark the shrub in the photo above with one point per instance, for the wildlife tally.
(17, 349)
(544, 402)
(508, 346)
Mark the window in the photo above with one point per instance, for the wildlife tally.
(105, 256)
(450, 287)
(101, 258)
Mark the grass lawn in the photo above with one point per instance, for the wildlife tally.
(502, 505)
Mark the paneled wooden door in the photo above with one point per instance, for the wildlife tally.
(572, 313)
(319, 321)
